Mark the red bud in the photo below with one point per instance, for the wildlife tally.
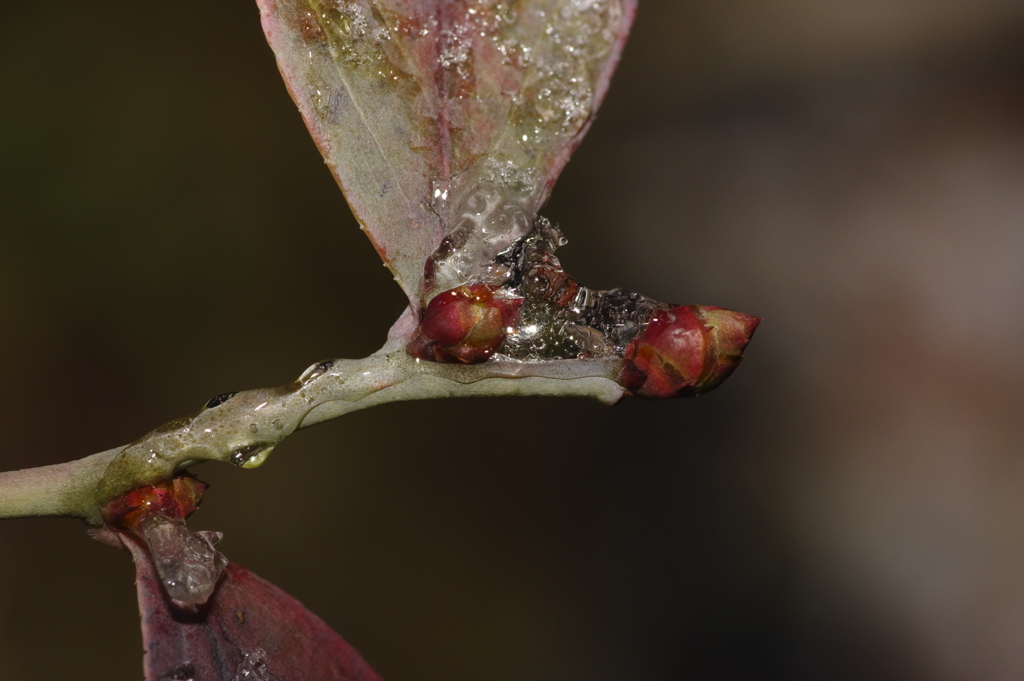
(465, 325)
(686, 351)
(175, 499)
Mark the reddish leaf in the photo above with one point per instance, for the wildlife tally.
(249, 630)
(421, 107)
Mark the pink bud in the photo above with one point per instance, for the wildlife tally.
(686, 351)
(465, 325)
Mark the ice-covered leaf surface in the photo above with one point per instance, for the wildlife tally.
(446, 117)
(249, 630)
(188, 563)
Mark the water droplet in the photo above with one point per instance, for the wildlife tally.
(156, 456)
(479, 202)
(327, 102)
(248, 453)
(254, 428)
(439, 195)
(219, 400)
(278, 424)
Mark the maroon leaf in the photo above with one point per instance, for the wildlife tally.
(249, 630)
(429, 112)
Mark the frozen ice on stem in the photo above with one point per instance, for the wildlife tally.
(559, 318)
(188, 563)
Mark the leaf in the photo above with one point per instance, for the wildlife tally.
(420, 107)
(249, 630)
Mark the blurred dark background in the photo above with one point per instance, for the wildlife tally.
(849, 505)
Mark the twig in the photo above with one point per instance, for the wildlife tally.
(243, 428)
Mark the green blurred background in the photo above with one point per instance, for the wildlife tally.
(849, 505)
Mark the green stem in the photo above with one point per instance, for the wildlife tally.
(244, 428)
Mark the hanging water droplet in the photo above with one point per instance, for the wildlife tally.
(249, 453)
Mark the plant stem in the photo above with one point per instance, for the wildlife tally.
(244, 428)
(52, 490)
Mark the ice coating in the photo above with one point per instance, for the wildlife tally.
(665, 350)
(491, 218)
(188, 563)
(421, 107)
(559, 318)
(556, 317)
(253, 667)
